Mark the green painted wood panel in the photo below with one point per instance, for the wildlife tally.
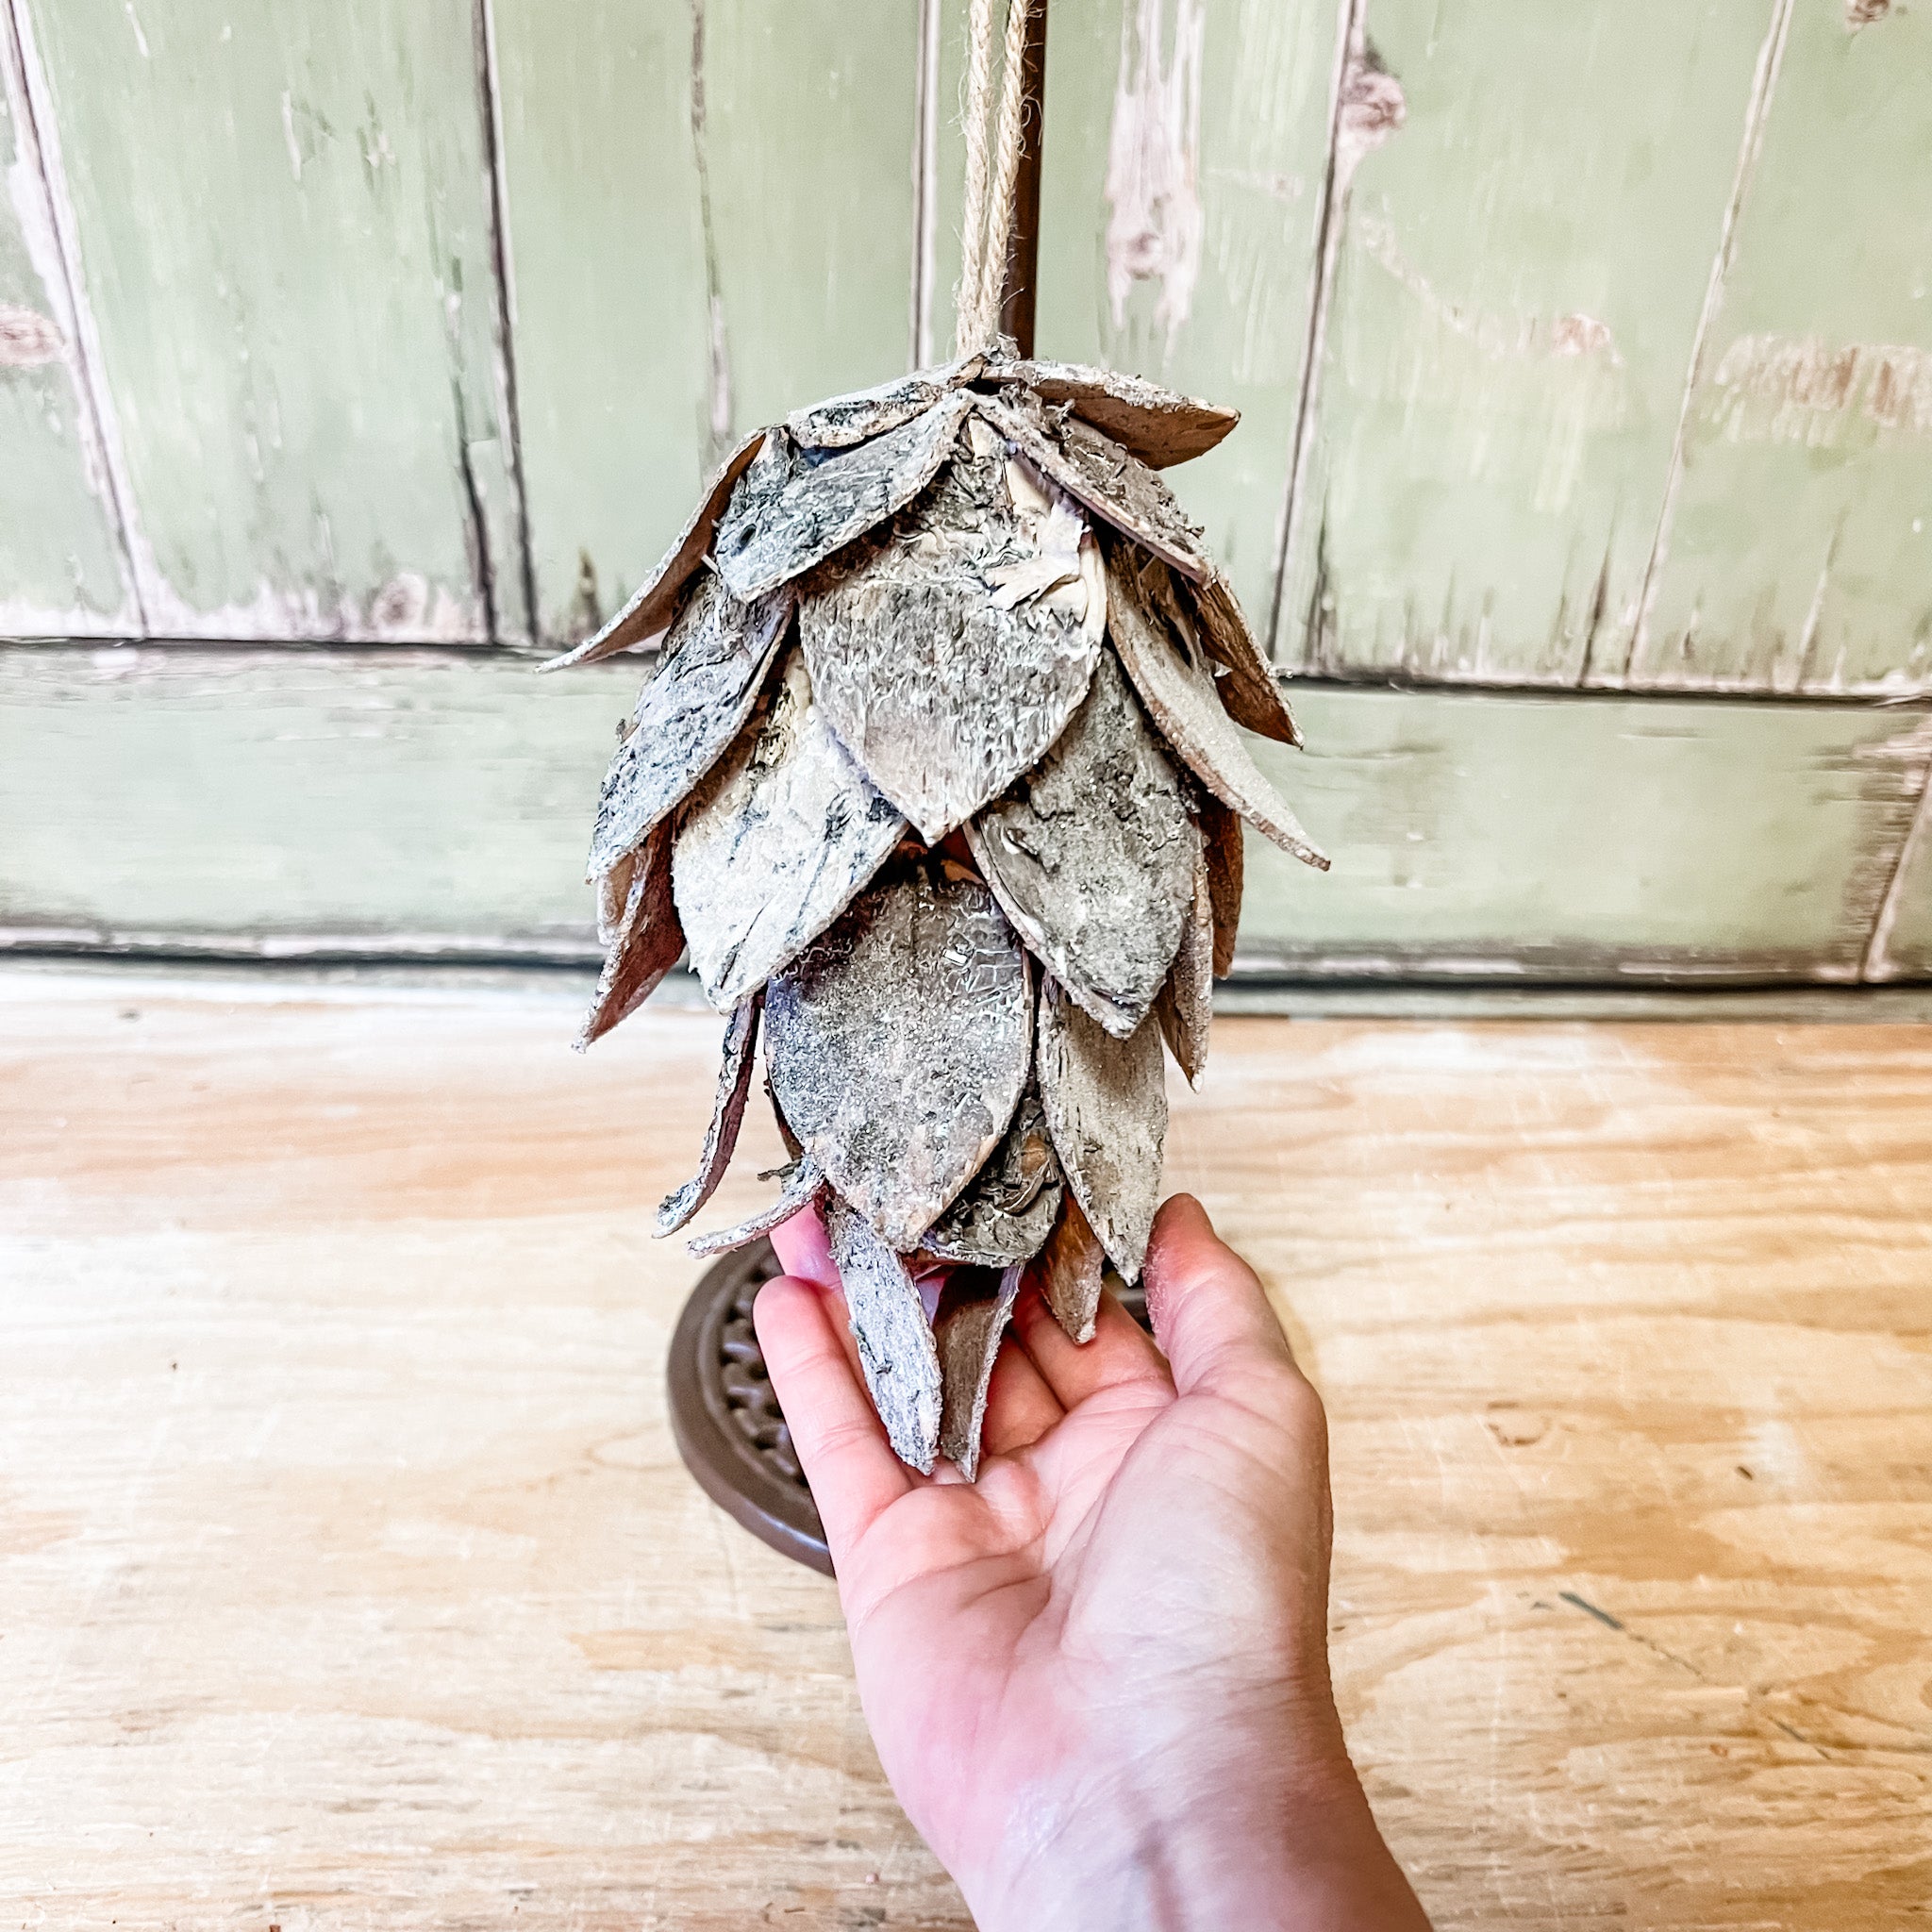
(1514, 310)
(285, 240)
(1184, 156)
(62, 569)
(403, 801)
(1798, 553)
(1901, 944)
(710, 223)
(1548, 834)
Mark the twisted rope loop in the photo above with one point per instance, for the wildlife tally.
(992, 164)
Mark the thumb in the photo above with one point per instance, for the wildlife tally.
(1209, 1311)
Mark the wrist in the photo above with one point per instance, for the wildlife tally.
(1277, 1847)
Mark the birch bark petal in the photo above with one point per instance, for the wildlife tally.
(646, 947)
(782, 521)
(1179, 695)
(864, 413)
(968, 1336)
(688, 714)
(1185, 1007)
(896, 1351)
(727, 1115)
(1008, 1208)
(1250, 692)
(1094, 470)
(776, 843)
(941, 694)
(1159, 425)
(1106, 1102)
(899, 1044)
(800, 1184)
(1073, 1270)
(1221, 845)
(1092, 856)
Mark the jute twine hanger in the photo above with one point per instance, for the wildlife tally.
(993, 163)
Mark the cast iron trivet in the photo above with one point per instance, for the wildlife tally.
(727, 1423)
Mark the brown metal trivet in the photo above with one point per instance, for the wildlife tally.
(730, 1427)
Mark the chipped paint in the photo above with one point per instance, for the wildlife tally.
(28, 339)
(1371, 106)
(1801, 388)
(37, 189)
(1155, 226)
(1863, 12)
(1368, 107)
(1771, 55)
(1500, 338)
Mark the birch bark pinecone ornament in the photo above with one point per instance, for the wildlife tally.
(939, 778)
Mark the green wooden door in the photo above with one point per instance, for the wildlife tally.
(351, 352)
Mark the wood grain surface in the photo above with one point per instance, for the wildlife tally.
(400, 802)
(348, 1576)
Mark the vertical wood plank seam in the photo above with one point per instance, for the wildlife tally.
(1328, 249)
(99, 427)
(718, 410)
(1875, 965)
(503, 266)
(925, 182)
(1771, 54)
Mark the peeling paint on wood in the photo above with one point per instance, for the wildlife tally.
(406, 803)
(1514, 300)
(285, 240)
(63, 567)
(1797, 550)
(800, 277)
(1155, 223)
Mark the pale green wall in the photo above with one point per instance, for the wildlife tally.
(1585, 346)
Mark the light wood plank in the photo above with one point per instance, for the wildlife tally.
(1519, 283)
(406, 802)
(695, 251)
(349, 1571)
(62, 569)
(284, 226)
(1798, 553)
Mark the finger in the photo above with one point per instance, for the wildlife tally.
(840, 1441)
(1119, 1352)
(1210, 1314)
(803, 1248)
(1020, 1408)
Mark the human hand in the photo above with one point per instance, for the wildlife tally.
(1098, 1677)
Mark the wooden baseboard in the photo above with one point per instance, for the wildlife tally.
(403, 804)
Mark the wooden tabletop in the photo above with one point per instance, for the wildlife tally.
(349, 1577)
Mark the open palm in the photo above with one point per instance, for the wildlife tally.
(1097, 1677)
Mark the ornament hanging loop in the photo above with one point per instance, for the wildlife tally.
(992, 166)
